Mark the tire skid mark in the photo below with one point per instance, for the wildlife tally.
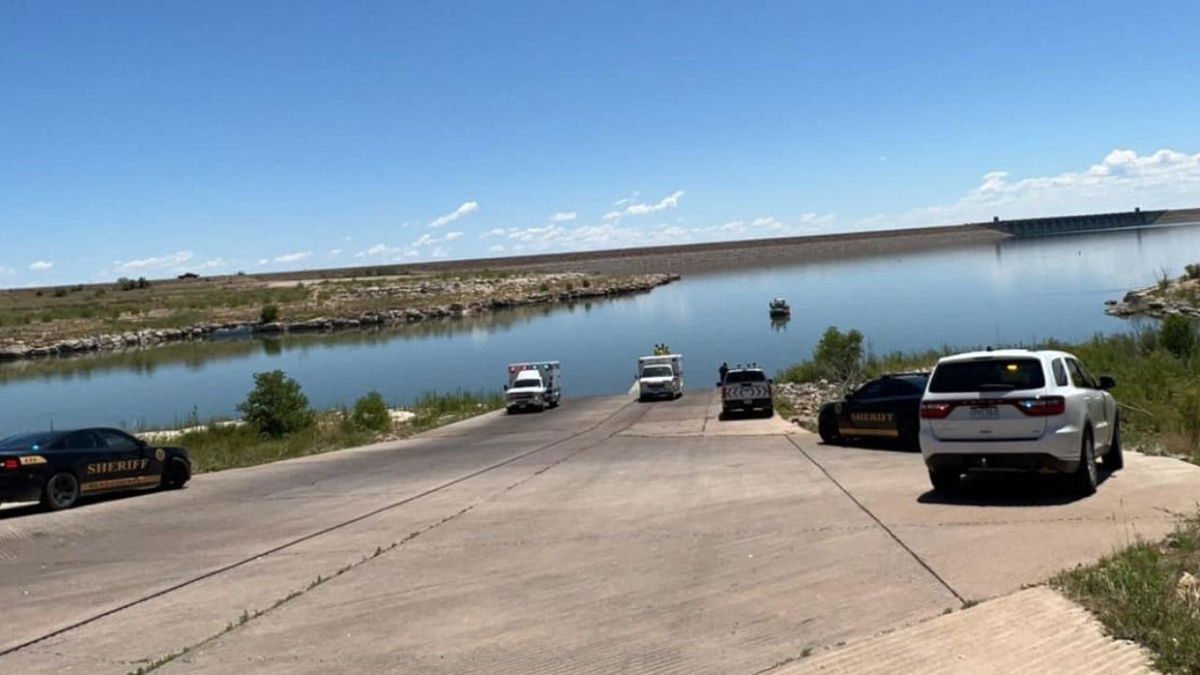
(313, 535)
(383, 550)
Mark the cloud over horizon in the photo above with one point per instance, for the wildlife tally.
(465, 209)
(668, 202)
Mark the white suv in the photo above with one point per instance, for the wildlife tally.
(1018, 409)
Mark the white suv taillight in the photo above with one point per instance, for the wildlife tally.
(1042, 407)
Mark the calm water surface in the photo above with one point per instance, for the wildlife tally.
(1017, 291)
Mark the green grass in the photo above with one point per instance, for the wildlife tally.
(1159, 393)
(1134, 592)
(217, 447)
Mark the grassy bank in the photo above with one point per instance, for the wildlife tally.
(1148, 593)
(215, 447)
(1158, 383)
(44, 315)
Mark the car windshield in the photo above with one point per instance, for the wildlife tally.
(987, 375)
(26, 441)
(657, 371)
(737, 376)
(520, 384)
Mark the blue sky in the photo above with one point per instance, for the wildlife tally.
(149, 138)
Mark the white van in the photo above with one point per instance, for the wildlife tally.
(660, 376)
(535, 385)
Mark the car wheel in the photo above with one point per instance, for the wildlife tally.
(1086, 477)
(827, 428)
(60, 492)
(944, 480)
(1115, 459)
(176, 474)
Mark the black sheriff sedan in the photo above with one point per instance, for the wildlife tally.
(886, 408)
(58, 467)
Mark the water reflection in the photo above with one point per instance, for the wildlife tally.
(1017, 291)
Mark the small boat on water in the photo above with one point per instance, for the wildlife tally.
(780, 307)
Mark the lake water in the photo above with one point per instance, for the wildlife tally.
(1013, 292)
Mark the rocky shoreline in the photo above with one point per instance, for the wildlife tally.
(1180, 297)
(15, 350)
(806, 399)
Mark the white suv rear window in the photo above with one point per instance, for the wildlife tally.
(987, 375)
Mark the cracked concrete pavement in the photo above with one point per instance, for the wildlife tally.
(603, 536)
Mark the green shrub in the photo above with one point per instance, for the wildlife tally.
(269, 314)
(370, 412)
(587, 283)
(1192, 271)
(838, 356)
(570, 287)
(276, 406)
(543, 287)
(1179, 335)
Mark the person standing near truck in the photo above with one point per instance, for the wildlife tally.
(721, 372)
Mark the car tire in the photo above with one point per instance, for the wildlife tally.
(1115, 459)
(61, 491)
(827, 429)
(769, 412)
(1085, 477)
(945, 481)
(175, 474)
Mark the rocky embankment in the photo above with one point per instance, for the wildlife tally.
(476, 299)
(806, 399)
(1178, 297)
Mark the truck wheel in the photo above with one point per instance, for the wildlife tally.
(1085, 477)
(61, 491)
(1115, 459)
(944, 481)
(769, 412)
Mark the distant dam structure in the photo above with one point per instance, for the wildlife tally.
(1046, 227)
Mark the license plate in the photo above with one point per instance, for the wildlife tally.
(986, 413)
(747, 402)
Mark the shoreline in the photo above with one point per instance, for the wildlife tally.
(401, 315)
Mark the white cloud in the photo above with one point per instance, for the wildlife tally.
(668, 202)
(7, 271)
(451, 236)
(466, 209)
(335, 252)
(212, 264)
(41, 265)
(495, 232)
(497, 248)
(263, 261)
(293, 257)
(1121, 181)
(563, 217)
(161, 262)
(425, 240)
